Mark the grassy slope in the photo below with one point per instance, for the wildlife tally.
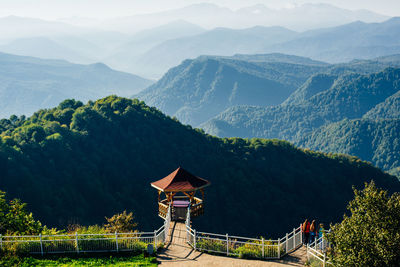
(119, 261)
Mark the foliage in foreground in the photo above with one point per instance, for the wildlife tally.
(16, 221)
(121, 223)
(370, 236)
(138, 260)
(15, 218)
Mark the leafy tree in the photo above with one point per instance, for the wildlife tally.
(15, 219)
(121, 223)
(371, 235)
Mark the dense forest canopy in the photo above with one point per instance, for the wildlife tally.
(377, 141)
(77, 163)
(314, 110)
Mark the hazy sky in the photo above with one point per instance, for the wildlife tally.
(52, 9)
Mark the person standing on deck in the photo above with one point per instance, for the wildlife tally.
(321, 231)
(305, 228)
(313, 230)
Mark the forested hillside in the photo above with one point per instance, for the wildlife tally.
(78, 163)
(389, 109)
(350, 96)
(321, 101)
(28, 84)
(377, 141)
(199, 89)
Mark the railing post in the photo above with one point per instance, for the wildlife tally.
(323, 264)
(263, 252)
(294, 238)
(287, 243)
(194, 239)
(227, 245)
(76, 241)
(315, 242)
(1, 242)
(301, 234)
(116, 240)
(155, 235)
(41, 244)
(279, 248)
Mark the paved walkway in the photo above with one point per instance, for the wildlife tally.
(179, 253)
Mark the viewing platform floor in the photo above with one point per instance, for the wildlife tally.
(178, 253)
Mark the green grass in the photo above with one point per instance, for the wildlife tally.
(313, 263)
(138, 260)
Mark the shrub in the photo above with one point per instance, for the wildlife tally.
(371, 235)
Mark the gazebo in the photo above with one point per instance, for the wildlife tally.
(180, 188)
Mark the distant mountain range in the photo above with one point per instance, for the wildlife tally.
(347, 96)
(28, 84)
(357, 40)
(208, 15)
(45, 48)
(199, 89)
(358, 109)
(176, 37)
(127, 55)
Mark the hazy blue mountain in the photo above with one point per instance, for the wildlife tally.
(343, 43)
(389, 109)
(219, 41)
(350, 96)
(125, 55)
(356, 40)
(199, 89)
(208, 15)
(93, 50)
(377, 141)
(43, 48)
(366, 66)
(21, 27)
(27, 83)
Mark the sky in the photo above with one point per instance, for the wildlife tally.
(54, 9)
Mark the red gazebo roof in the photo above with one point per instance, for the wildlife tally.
(180, 181)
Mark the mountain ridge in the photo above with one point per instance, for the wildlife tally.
(29, 83)
(198, 89)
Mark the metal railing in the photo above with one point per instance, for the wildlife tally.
(291, 241)
(317, 251)
(190, 233)
(79, 243)
(242, 246)
(167, 223)
(237, 245)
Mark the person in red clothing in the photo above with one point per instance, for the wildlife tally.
(305, 228)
